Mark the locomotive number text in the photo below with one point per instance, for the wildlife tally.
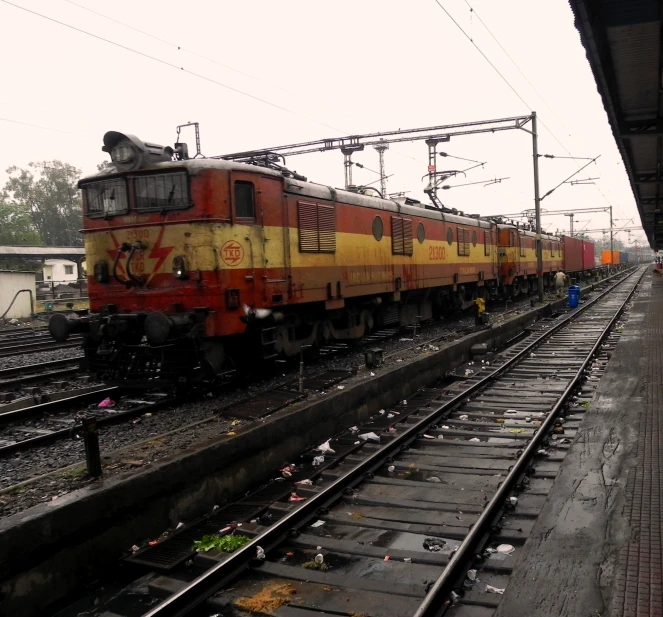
(138, 234)
(437, 253)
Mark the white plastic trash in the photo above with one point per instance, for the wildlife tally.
(391, 469)
(325, 448)
(370, 437)
(318, 460)
(475, 439)
(318, 523)
(319, 558)
(472, 575)
(505, 549)
(260, 552)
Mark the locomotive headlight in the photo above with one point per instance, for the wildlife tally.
(179, 268)
(123, 153)
(101, 272)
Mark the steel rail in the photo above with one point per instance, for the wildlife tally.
(49, 406)
(184, 601)
(434, 602)
(18, 370)
(37, 347)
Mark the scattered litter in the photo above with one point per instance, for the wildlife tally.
(306, 482)
(153, 542)
(179, 525)
(296, 497)
(390, 415)
(491, 589)
(513, 500)
(260, 552)
(233, 423)
(399, 360)
(318, 460)
(391, 429)
(407, 559)
(325, 448)
(391, 469)
(370, 437)
(404, 402)
(319, 558)
(516, 430)
(542, 452)
(134, 549)
(434, 545)
(318, 523)
(372, 374)
(290, 554)
(215, 508)
(528, 419)
(54, 497)
(475, 439)
(445, 427)
(510, 412)
(354, 429)
(505, 549)
(472, 575)
(440, 436)
(341, 387)
(463, 417)
(434, 479)
(454, 597)
(387, 558)
(231, 433)
(107, 402)
(428, 436)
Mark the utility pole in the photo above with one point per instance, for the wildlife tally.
(537, 209)
(383, 177)
(570, 223)
(611, 239)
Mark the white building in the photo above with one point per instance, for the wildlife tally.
(14, 293)
(60, 271)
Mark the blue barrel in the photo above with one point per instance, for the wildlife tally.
(574, 296)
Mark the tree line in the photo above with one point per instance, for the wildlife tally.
(41, 206)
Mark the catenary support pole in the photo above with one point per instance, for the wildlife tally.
(537, 209)
(612, 258)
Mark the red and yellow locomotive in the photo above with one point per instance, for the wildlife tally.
(197, 264)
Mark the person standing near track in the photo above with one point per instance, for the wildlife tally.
(560, 282)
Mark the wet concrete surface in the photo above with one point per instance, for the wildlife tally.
(567, 566)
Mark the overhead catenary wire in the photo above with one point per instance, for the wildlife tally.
(234, 69)
(506, 53)
(46, 128)
(171, 65)
(513, 89)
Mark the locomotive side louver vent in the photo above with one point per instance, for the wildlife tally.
(401, 236)
(317, 228)
(463, 242)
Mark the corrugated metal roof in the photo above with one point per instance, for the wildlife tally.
(41, 251)
(622, 39)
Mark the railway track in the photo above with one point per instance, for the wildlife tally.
(422, 510)
(43, 371)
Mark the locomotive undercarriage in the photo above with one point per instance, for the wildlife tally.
(154, 349)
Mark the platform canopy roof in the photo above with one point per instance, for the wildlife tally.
(623, 43)
(43, 252)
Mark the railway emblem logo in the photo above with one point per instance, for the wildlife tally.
(232, 253)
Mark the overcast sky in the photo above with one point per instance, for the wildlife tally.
(322, 69)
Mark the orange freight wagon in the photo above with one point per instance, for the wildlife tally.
(605, 257)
